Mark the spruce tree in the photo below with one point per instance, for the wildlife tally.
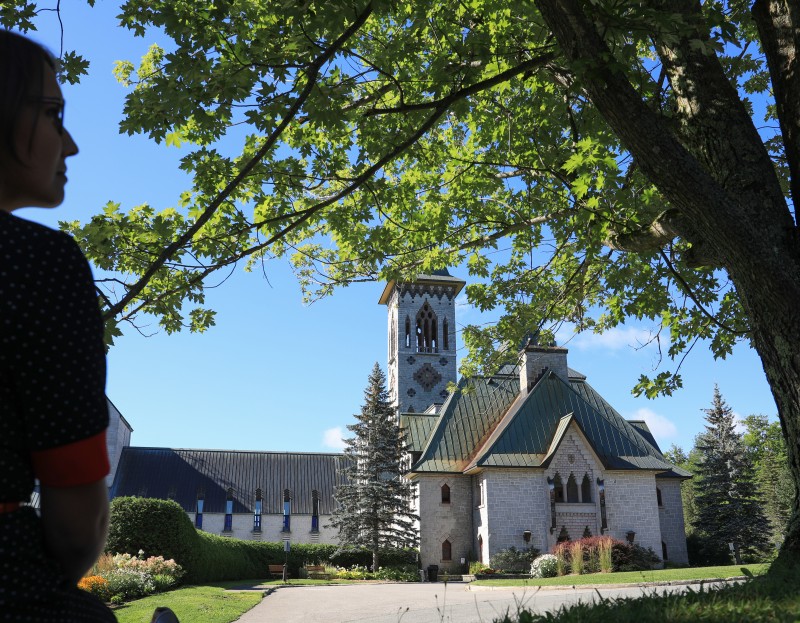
(374, 504)
(729, 509)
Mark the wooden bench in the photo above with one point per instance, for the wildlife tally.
(317, 572)
(276, 570)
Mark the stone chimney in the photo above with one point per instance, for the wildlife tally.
(533, 361)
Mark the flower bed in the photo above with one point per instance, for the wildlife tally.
(123, 577)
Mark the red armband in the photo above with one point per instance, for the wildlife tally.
(73, 464)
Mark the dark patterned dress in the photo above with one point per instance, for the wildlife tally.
(53, 410)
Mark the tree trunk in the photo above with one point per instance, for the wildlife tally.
(715, 171)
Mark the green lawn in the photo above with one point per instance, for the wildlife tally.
(770, 598)
(658, 575)
(193, 604)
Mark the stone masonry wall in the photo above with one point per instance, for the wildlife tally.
(574, 457)
(440, 521)
(516, 501)
(408, 367)
(631, 505)
(670, 513)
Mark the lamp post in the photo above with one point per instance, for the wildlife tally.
(287, 546)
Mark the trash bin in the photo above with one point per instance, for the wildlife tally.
(422, 575)
(433, 573)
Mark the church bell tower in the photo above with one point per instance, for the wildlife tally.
(422, 339)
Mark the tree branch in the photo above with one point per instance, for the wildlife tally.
(778, 23)
(182, 240)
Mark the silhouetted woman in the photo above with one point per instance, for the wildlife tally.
(53, 411)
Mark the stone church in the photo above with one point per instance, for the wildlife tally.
(528, 457)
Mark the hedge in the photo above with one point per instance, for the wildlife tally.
(161, 528)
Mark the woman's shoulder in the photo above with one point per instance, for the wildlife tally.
(36, 245)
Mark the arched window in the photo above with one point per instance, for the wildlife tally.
(445, 494)
(664, 551)
(480, 549)
(447, 551)
(586, 489)
(558, 488)
(658, 497)
(408, 332)
(426, 330)
(445, 335)
(257, 511)
(572, 489)
(287, 511)
(315, 511)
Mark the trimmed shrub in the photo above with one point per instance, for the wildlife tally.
(157, 527)
(706, 552)
(512, 560)
(545, 566)
(161, 528)
(389, 557)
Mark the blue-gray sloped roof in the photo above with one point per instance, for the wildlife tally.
(466, 419)
(525, 435)
(418, 427)
(179, 474)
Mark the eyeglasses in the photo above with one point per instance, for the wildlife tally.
(59, 119)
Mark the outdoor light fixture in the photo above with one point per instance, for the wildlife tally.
(526, 536)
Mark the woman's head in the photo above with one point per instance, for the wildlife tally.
(33, 142)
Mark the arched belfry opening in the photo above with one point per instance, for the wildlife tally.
(422, 355)
(427, 341)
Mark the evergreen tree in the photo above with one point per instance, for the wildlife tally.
(766, 447)
(374, 504)
(729, 509)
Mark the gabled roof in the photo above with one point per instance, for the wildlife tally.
(529, 431)
(180, 474)
(466, 419)
(487, 423)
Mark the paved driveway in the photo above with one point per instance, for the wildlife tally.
(415, 603)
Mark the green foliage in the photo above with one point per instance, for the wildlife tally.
(766, 448)
(373, 504)
(512, 560)
(193, 604)
(704, 551)
(477, 567)
(348, 557)
(586, 552)
(769, 599)
(161, 528)
(157, 527)
(729, 508)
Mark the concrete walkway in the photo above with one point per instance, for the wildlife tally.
(423, 603)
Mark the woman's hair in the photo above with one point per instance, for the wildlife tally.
(21, 75)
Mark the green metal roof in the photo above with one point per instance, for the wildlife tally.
(488, 423)
(526, 435)
(467, 419)
(418, 427)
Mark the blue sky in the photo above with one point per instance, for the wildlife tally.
(274, 374)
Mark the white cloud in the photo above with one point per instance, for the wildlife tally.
(332, 438)
(660, 426)
(613, 339)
